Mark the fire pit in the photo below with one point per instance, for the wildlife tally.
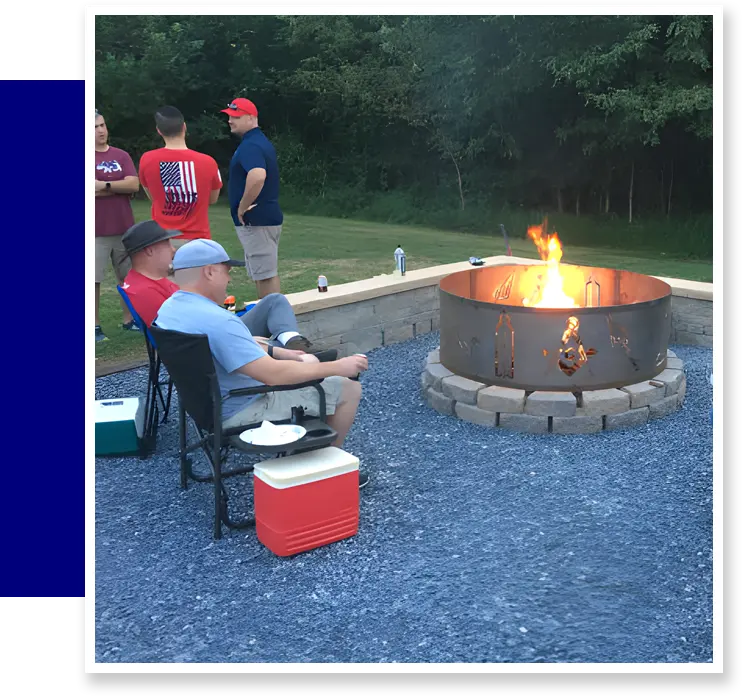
(564, 337)
(616, 335)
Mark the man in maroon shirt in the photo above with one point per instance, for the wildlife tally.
(115, 181)
(151, 250)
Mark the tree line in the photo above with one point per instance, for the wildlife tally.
(602, 115)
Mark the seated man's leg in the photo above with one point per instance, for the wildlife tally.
(342, 397)
(346, 409)
(274, 317)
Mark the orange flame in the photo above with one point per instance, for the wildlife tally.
(550, 249)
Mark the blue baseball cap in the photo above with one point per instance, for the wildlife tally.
(202, 252)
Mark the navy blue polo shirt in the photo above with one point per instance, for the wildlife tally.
(255, 151)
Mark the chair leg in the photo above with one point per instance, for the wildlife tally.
(183, 455)
(155, 378)
(169, 397)
(161, 400)
(149, 436)
(217, 492)
(148, 406)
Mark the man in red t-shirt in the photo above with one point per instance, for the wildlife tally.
(181, 183)
(147, 285)
(148, 244)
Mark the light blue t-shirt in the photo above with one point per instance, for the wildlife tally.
(231, 342)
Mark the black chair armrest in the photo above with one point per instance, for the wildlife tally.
(252, 391)
(316, 383)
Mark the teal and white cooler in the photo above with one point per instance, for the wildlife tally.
(119, 426)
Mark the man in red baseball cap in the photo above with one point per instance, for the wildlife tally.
(241, 107)
(253, 196)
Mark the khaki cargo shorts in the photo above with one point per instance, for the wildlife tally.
(111, 248)
(275, 406)
(261, 250)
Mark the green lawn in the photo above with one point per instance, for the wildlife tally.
(347, 250)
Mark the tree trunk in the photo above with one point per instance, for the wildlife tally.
(631, 194)
(577, 205)
(458, 174)
(600, 203)
(461, 188)
(669, 192)
(662, 188)
(560, 202)
(607, 201)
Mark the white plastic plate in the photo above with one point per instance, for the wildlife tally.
(271, 435)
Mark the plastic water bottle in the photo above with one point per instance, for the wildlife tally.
(400, 261)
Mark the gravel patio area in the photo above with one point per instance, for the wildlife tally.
(475, 544)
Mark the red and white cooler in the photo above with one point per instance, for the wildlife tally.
(306, 500)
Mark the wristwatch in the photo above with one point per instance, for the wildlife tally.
(108, 185)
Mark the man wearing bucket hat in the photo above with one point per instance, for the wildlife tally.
(151, 254)
(148, 286)
(202, 272)
(253, 196)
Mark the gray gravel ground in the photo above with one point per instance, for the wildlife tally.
(475, 545)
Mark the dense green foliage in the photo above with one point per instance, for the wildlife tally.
(456, 121)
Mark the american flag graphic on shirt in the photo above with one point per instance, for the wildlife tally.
(179, 183)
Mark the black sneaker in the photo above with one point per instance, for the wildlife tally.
(301, 343)
(328, 355)
(99, 335)
(362, 480)
(130, 326)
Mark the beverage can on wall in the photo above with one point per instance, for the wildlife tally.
(400, 261)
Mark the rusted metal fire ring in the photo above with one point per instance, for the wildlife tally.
(542, 411)
(493, 331)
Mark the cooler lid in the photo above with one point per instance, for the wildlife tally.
(113, 410)
(306, 467)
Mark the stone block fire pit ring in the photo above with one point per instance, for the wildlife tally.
(551, 411)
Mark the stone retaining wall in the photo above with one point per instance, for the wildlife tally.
(692, 321)
(367, 324)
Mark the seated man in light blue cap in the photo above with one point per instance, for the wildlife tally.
(202, 271)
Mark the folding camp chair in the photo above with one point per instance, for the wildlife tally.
(154, 384)
(191, 366)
